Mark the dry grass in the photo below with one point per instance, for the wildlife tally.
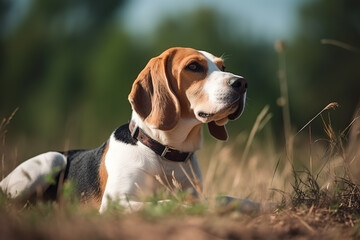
(311, 203)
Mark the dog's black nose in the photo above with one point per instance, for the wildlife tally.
(239, 84)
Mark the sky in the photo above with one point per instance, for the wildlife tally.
(268, 19)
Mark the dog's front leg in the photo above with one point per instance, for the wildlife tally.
(126, 188)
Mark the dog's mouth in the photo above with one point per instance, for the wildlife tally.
(221, 117)
(238, 111)
(205, 115)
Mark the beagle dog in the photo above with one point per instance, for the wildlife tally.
(172, 97)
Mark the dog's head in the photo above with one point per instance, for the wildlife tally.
(186, 83)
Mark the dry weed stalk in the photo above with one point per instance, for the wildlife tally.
(332, 105)
(174, 187)
(4, 123)
(195, 183)
(283, 101)
(340, 44)
(212, 168)
(261, 120)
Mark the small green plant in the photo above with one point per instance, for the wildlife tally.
(114, 207)
(178, 204)
(51, 177)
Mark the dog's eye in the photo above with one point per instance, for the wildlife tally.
(195, 67)
(223, 68)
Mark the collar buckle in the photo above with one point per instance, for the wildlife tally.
(165, 151)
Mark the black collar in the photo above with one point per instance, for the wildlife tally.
(161, 150)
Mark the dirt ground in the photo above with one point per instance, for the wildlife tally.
(287, 224)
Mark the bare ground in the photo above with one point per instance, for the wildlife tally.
(286, 224)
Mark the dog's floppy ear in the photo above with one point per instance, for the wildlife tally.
(151, 96)
(218, 132)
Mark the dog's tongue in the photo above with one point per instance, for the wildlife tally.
(218, 132)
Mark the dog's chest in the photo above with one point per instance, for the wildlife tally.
(133, 167)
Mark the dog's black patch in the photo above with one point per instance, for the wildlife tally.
(123, 134)
(83, 169)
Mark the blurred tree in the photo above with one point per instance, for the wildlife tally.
(4, 8)
(46, 59)
(69, 66)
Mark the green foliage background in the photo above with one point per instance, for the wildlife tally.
(69, 65)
